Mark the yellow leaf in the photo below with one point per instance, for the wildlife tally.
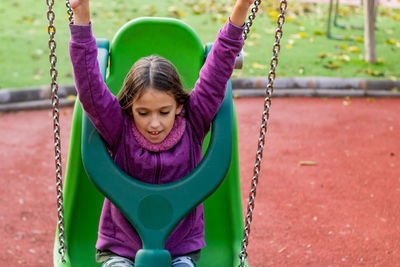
(346, 103)
(380, 60)
(273, 14)
(302, 35)
(252, 43)
(396, 17)
(323, 54)
(255, 36)
(345, 58)
(343, 47)
(359, 39)
(290, 19)
(316, 32)
(332, 65)
(289, 46)
(257, 65)
(354, 49)
(307, 163)
(390, 41)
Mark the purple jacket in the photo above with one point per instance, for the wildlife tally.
(115, 232)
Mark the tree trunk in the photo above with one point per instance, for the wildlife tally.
(369, 31)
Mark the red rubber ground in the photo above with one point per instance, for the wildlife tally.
(341, 211)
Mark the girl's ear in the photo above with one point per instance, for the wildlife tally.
(179, 109)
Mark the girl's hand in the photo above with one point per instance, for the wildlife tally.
(81, 11)
(239, 12)
(76, 3)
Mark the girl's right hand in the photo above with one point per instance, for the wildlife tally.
(81, 11)
(78, 3)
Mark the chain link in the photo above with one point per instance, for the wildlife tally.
(69, 11)
(251, 17)
(56, 125)
(265, 118)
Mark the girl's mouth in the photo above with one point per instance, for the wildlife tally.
(154, 134)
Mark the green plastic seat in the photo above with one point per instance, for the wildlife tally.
(177, 42)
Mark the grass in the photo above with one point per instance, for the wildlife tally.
(305, 50)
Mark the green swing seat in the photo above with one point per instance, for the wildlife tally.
(83, 199)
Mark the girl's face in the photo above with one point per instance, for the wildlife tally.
(154, 114)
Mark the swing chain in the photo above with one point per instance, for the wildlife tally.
(251, 17)
(69, 11)
(56, 125)
(263, 129)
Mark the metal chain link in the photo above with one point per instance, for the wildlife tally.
(56, 125)
(264, 124)
(69, 11)
(251, 17)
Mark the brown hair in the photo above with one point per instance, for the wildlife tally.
(155, 72)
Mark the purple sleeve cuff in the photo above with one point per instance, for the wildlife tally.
(81, 33)
(234, 32)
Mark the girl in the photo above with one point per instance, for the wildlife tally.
(154, 130)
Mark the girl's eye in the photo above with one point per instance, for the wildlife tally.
(164, 112)
(142, 113)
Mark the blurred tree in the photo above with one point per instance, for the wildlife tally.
(369, 31)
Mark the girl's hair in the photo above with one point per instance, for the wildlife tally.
(151, 72)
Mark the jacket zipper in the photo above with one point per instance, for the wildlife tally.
(158, 169)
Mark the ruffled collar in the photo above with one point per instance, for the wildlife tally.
(170, 141)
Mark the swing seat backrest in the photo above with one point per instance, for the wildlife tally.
(223, 213)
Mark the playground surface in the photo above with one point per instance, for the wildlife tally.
(328, 191)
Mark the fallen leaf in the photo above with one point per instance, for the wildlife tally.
(390, 41)
(307, 163)
(332, 65)
(316, 32)
(345, 58)
(346, 103)
(354, 49)
(359, 39)
(255, 36)
(257, 65)
(282, 249)
(323, 54)
(302, 35)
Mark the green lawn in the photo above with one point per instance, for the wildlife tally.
(305, 49)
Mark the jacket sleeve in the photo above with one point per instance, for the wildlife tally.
(209, 90)
(99, 103)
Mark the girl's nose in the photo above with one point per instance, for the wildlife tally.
(155, 123)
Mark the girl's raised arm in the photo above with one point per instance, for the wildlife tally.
(81, 11)
(239, 12)
(209, 89)
(101, 106)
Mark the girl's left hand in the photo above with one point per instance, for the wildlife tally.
(239, 12)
